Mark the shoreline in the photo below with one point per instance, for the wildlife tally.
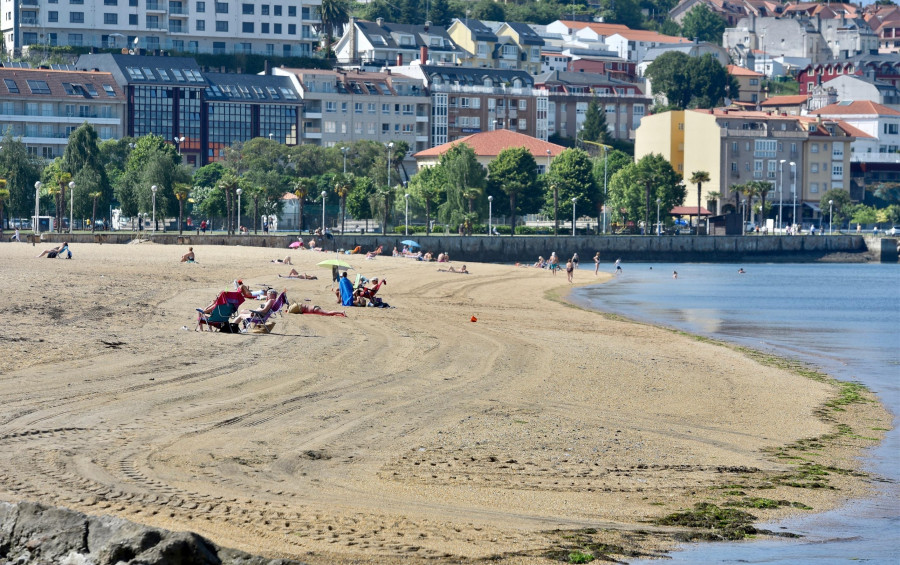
(404, 434)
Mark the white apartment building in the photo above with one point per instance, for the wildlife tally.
(265, 27)
(882, 124)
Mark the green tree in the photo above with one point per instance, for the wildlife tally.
(181, 192)
(488, 10)
(95, 196)
(841, 206)
(209, 201)
(626, 12)
(634, 186)
(571, 176)
(595, 128)
(209, 175)
(21, 170)
(343, 184)
(698, 178)
(82, 159)
(690, 82)
(428, 187)
(151, 162)
(4, 198)
(862, 214)
(228, 184)
(461, 171)
(888, 192)
(359, 201)
(334, 14)
(703, 24)
(514, 172)
(439, 14)
(760, 189)
(302, 188)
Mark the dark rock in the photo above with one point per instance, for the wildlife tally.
(36, 534)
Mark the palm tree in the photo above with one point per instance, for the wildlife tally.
(751, 191)
(334, 15)
(713, 196)
(4, 198)
(228, 183)
(255, 193)
(95, 196)
(342, 185)
(182, 189)
(698, 178)
(737, 190)
(471, 194)
(302, 188)
(760, 188)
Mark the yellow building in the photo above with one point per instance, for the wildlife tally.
(736, 147)
(528, 42)
(476, 40)
(750, 83)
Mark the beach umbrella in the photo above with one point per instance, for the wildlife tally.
(295, 245)
(334, 263)
(410, 243)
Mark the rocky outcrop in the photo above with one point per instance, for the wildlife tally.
(35, 534)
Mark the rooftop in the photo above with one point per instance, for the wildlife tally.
(491, 143)
(856, 107)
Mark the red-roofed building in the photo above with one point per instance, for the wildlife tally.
(487, 145)
(791, 105)
(878, 139)
(750, 83)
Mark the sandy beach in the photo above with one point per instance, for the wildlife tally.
(393, 435)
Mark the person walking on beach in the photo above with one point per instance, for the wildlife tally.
(618, 266)
(570, 269)
(15, 236)
(597, 264)
(554, 262)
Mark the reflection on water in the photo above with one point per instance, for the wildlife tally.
(842, 318)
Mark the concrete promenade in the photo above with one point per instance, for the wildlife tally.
(525, 249)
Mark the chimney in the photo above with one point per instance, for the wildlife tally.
(427, 25)
(267, 70)
(379, 22)
(353, 40)
(423, 54)
(399, 59)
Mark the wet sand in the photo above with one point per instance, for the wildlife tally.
(394, 435)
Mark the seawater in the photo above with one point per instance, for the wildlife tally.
(841, 318)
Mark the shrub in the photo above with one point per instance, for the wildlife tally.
(580, 557)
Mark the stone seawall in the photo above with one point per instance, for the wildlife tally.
(505, 249)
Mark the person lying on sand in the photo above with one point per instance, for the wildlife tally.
(286, 260)
(462, 270)
(296, 275)
(312, 309)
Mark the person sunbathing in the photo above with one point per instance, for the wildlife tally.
(355, 250)
(189, 256)
(271, 297)
(286, 260)
(312, 309)
(453, 270)
(296, 275)
(56, 252)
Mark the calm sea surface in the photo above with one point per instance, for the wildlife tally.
(844, 319)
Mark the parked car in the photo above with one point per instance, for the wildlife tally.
(893, 231)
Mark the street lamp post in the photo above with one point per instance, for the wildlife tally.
(153, 189)
(271, 136)
(573, 216)
(605, 165)
(178, 142)
(780, 192)
(794, 191)
(390, 146)
(406, 220)
(344, 151)
(830, 215)
(36, 228)
(490, 215)
(71, 205)
(658, 201)
(239, 192)
(323, 211)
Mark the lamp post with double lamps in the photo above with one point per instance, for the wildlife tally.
(344, 152)
(390, 146)
(36, 228)
(178, 142)
(153, 190)
(324, 194)
(658, 230)
(239, 192)
(71, 205)
(794, 191)
(490, 215)
(406, 219)
(574, 200)
(780, 191)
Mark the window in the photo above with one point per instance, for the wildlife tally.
(773, 166)
(765, 148)
(385, 108)
(638, 110)
(292, 29)
(837, 171)
(814, 148)
(111, 19)
(523, 124)
(110, 91)
(221, 26)
(814, 187)
(292, 11)
(152, 23)
(11, 85)
(523, 104)
(221, 7)
(482, 50)
(276, 10)
(219, 47)
(754, 82)
(331, 106)
(132, 19)
(38, 86)
(76, 17)
(358, 108)
(758, 169)
(201, 7)
(371, 107)
(201, 25)
(330, 126)
(891, 129)
(264, 28)
(52, 16)
(76, 1)
(264, 10)
(247, 9)
(814, 168)
(247, 27)
(277, 28)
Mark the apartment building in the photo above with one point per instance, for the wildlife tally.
(497, 45)
(378, 44)
(736, 147)
(569, 94)
(880, 123)
(44, 106)
(467, 100)
(749, 84)
(346, 106)
(884, 67)
(628, 44)
(277, 27)
(171, 97)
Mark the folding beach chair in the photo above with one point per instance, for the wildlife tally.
(227, 304)
(256, 320)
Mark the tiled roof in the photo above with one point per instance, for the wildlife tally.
(857, 107)
(644, 35)
(737, 71)
(791, 100)
(256, 88)
(475, 76)
(598, 28)
(689, 211)
(581, 79)
(491, 143)
(83, 85)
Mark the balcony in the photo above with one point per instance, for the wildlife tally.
(178, 11)
(176, 27)
(61, 119)
(29, 21)
(155, 7)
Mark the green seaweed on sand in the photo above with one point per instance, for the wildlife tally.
(710, 522)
